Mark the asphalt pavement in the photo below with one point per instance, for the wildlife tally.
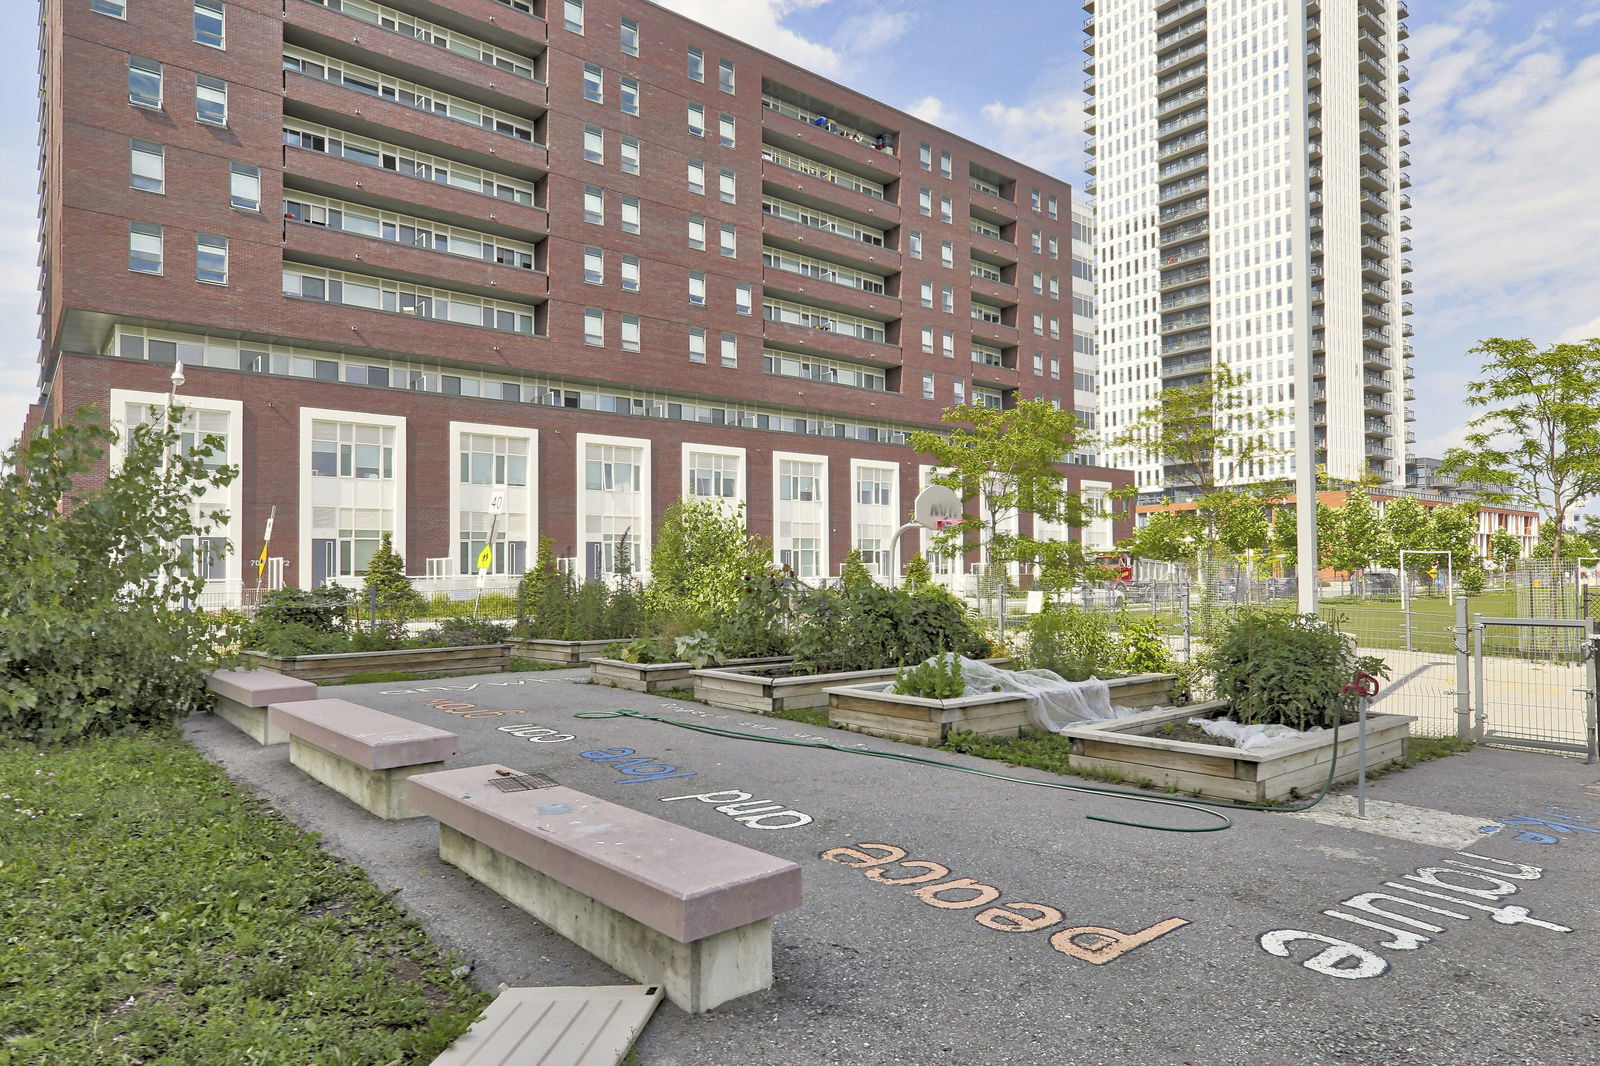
(1465, 925)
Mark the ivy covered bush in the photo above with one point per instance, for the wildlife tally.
(99, 632)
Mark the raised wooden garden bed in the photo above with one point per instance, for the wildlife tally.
(658, 677)
(1136, 748)
(877, 709)
(572, 652)
(467, 659)
(764, 690)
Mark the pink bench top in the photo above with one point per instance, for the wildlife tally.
(258, 688)
(680, 882)
(366, 737)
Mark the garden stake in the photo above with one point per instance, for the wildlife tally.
(1365, 687)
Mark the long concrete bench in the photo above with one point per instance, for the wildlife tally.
(363, 754)
(663, 904)
(244, 695)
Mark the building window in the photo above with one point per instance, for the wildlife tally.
(630, 333)
(697, 232)
(572, 15)
(594, 326)
(947, 253)
(594, 144)
(1035, 199)
(144, 248)
(594, 205)
(115, 8)
(1055, 287)
(927, 384)
(725, 75)
(726, 185)
(210, 21)
(725, 130)
(488, 463)
(697, 177)
(947, 299)
(713, 475)
(144, 82)
(958, 390)
(210, 100)
(697, 288)
(697, 120)
(927, 339)
(1051, 207)
(1037, 242)
(948, 343)
(925, 201)
(630, 37)
(594, 266)
(1054, 244)
(1038, 283)
(697, 64)
(946, 209)
(628, 96)
(630, 155)
(630, 273)
(944, 164)
(741, 298)
(594, 83)
(630, 214)
(697, 344)
(244, 186)
(925, 156)
(730, 349)
(728, 241)
(1055, 327)
(914, 244)
(927, 294)
(147, 165)
(211, 259)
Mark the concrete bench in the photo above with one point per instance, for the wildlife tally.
(663, 904)
(363, 754)
(244, 695)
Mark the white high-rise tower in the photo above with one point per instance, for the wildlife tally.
(1249, 172)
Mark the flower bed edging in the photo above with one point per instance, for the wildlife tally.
(1133, 747)
(465, 659)
(658, 677)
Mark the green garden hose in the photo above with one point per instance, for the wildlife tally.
(1137, 797)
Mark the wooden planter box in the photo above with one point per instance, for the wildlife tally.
(877, 709)
(1135, 748)
(571, 652)
(468, 659)
(658, 677)
(746, 689)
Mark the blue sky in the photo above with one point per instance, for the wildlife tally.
(1505, 102)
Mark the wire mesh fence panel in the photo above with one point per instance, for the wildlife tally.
(1534, 685)
(1544, 590)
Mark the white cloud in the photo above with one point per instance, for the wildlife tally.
(931, 109)
(1045, 132)
(760, 23)
(872, 31)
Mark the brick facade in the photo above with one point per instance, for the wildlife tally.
(94, 303)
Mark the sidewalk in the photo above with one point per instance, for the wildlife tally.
(868, 972)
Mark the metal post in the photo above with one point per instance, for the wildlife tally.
(1593, 701)
(1188, 627)
(1477, 680)
(1463, 677)
(1361, 755)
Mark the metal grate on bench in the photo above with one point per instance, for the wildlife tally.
(523, 782)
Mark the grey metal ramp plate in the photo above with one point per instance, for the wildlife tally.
(591, 1026)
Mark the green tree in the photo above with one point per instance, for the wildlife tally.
(1168, 537)
(1203, 435)
(625, 613)
(1505, 549)
(544, 597)
(386, 587)
(98, 634)
(1538, 441)
(917, 572)
(853, 572)
(1241, 522)
(1405, 523)
(1285, 537)
(1356, 535)
(1454, 529)
(703, 559)
(1010, 461)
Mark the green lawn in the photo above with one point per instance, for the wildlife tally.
(1381, 623)
(154, 914)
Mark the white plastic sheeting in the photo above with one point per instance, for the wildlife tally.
(1053, 702)
(1250, 737)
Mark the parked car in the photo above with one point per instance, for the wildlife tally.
(1379, 583)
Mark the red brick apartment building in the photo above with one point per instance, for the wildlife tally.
(586, 255)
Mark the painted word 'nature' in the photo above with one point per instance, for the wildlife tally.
(1091, 943)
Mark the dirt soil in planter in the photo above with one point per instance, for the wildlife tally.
(1193, 734)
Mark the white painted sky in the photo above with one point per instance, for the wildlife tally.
(1505, 150)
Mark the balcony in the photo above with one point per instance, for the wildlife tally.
(1194, 30)
(1182, 300)
(1178, 168)
(1373, 179)
(1375, 382)
(1178, 58)
(1173, 17)
(1376, 359)
(1172, 368)
(1178, 190)
(801, 288)
(1184, 233)
(1185, 255)
(1173, 104)
(1185, 121)
(1198, 342)
(337, 250)
(823, 185)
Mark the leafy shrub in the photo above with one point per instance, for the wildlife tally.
(457, 632)
(589, 613)
(702, 558)
(762, 622)
(97, 631)
(869, 627)
(544, 597)
(1079, 644)
(939, 678)
(386, 589)
(643, 650)
(323, 610)
(1473, 580)
(1278, 667)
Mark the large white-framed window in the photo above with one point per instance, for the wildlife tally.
(875, 515)
(491, 461)
(216, 556)
(352, 491)
(613, 502)
(1097, 529)
(713, 472)
(800, 514)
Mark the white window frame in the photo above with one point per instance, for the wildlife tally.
(892, 546)
(156, 180)
(824, 539)
(527, 495)
(641, 537)
(740, 472)
(308, 415)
